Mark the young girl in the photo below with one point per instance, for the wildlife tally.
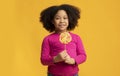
(62, 59)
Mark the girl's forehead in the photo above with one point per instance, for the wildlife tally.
(61, 12)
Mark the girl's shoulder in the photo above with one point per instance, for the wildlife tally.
(74, 34)
(49, 36)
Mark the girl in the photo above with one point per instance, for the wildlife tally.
(61, 59)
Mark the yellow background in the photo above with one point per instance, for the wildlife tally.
(21, 35)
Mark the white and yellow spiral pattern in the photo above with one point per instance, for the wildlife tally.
(65, 38)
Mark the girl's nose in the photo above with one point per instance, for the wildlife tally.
(61, 20)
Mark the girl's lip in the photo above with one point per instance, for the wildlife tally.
(61, 24)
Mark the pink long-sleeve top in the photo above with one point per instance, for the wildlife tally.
(51, 46)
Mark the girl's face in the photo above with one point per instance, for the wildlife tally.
(61, 21)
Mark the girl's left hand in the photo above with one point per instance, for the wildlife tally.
(70, 61)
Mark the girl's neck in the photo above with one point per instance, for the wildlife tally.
(59, 32)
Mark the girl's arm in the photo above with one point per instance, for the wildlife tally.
(81, 55)
(46, 58)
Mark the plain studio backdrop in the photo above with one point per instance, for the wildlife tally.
(21, 36)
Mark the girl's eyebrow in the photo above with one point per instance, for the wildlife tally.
(59, 16)
(56, 15)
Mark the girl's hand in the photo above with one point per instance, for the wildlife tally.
(70, 61)
(61, 56)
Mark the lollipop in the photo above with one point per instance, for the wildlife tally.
(65, 38)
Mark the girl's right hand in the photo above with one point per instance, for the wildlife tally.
(61, 56)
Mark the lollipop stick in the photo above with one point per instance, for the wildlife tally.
(65, 47)
(65, 44)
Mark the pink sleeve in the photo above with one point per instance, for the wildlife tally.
(46, 58)
(81, 55)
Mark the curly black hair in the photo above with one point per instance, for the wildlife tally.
(47, 15)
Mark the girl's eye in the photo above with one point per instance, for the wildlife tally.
(57, 18)
(65, 18)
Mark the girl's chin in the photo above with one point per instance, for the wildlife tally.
(61, 29)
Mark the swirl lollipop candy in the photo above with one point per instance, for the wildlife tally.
(65, 38)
